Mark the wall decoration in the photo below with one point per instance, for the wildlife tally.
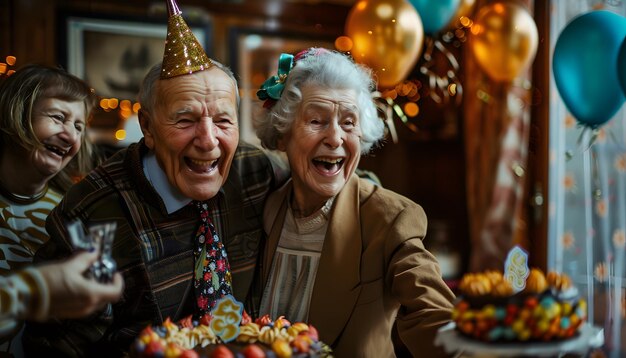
(113, 53)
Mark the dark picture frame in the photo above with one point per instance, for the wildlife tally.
(253, 55)
(113, 53)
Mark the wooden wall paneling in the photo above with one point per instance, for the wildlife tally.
(32, 31)
(30, 26)
(6, 24)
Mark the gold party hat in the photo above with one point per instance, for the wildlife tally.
(183, 53)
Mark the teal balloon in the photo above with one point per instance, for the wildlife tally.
(435, 14)
(585, 66)
(621, 66)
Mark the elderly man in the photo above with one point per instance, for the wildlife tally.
(175, 195)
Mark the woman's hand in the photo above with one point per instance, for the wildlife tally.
(72, 295)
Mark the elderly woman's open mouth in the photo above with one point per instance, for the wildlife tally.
(328, 165)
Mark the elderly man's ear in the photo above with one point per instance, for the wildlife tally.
(144, 123)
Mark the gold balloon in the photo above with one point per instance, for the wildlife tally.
(503, 40)
(387, 36)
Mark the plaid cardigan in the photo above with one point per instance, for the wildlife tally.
(153, 249)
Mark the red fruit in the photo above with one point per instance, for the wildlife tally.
(245, 318)
(154, 347)
(301, 344)
(253, 351)
(188, 353)
(511, 310)
(146, 331)
(186, 322)
(462, 306)
(206, 319)
(313, 333)
(531, 302)
(221, 351)
(264, 321)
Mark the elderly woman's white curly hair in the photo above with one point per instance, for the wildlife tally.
(327, 69)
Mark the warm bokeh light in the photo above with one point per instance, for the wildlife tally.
(125, 105)
(3, 68)
(452, 89)
(465, 21)
(136, 107)
(343, 43)
(113, 103)
(10, 60)
(104, 103)
(124, 113)
(120, 134)
(476, 29)
(411, 109)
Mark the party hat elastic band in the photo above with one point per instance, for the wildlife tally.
(183, 53)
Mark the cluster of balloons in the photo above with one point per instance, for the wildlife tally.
(589, 59)
(388, 35)
(589, 66)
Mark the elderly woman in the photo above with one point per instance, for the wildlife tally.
(43, 118)
(43, 148)
(343, 254)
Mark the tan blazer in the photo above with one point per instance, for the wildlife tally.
(373, 270)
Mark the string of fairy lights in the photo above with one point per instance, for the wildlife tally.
(125, 108)
(5, 70)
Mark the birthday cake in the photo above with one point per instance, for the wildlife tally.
(229, 332)
(545, 308)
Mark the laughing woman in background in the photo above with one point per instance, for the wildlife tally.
(43, 116)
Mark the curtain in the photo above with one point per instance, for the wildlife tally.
(587, 198)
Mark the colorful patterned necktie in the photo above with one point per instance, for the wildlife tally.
(212, 278)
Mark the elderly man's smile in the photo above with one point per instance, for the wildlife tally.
(201, 166)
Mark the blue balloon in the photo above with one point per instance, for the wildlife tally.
(584, 65)
(435, 14)
(621, 66)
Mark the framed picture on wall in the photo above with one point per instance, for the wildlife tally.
(113, 53)
(254, 57)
